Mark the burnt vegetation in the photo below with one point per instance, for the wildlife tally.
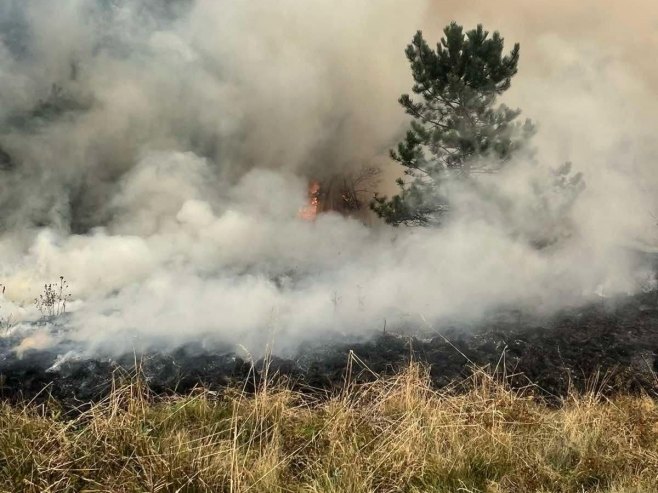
(515, 402)
(609, 347)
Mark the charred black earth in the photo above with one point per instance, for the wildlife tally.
(609, 347)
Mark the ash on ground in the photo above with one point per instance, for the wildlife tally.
(607, 347)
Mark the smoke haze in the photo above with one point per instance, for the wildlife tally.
(156, 154)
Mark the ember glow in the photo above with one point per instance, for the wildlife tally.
(310, 211)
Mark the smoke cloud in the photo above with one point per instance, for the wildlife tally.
(156, 155)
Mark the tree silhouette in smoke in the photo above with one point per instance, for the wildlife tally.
(457, 129)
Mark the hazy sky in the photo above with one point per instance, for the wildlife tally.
(625, 30)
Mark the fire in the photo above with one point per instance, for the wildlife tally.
(40, 340)
(310, 211)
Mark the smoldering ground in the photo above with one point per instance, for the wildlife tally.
(156, 154)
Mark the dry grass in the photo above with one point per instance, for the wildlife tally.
(396, 434)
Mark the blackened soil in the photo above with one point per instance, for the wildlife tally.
(605, 347)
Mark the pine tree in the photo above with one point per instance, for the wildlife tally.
(457, 129)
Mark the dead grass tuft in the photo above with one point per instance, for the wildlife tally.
(394, 434)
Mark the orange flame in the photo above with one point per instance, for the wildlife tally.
(310, 211)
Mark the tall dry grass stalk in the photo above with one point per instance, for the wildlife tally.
(394, 434)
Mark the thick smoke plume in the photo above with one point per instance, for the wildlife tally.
(156, 154)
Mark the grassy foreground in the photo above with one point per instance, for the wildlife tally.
(396, 434)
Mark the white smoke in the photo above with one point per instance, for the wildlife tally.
(160, 153)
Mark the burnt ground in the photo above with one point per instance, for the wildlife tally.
(609, 347)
